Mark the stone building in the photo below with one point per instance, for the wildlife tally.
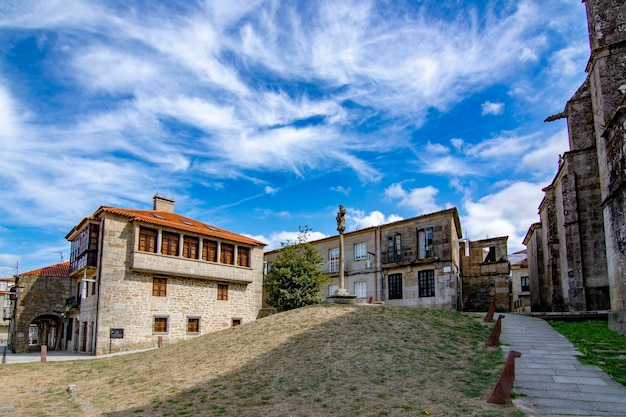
(485, 274)
(141, 278)
(38, 308)
(520, 282)
(412, 262)
(577, 253)
(6, 284)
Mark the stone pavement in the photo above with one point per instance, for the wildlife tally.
(53, 356)
(549, 377)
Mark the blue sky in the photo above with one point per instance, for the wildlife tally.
(263, 116)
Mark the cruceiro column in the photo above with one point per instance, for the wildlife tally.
(341, 227)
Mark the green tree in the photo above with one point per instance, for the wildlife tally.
(295, 277)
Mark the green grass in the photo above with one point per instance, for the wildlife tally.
(599, 345)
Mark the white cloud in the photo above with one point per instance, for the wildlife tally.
(275, 240)
(341, 189)
(436, 148)
(360, 220)
(270, 190)
(420, 200)
(508, 212)
(542, 161)
(489, 108)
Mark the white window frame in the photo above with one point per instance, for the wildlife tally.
(360, 289)
(332, 289)
(333, 260)
(360, 251)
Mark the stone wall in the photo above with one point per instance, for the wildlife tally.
(486, 279)
(40, 298)
(126, 300)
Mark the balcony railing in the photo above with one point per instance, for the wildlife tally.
(73, 302)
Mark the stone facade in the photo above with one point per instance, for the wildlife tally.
(577, 255)
(156, 298)
(40, 302)
(607, 78)
(485, 275)
(413, 262)
(520, 282)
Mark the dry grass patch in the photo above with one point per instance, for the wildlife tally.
(324, 360)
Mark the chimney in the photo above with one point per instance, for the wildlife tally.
(163, 204)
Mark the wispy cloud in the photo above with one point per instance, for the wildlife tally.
(489, 108)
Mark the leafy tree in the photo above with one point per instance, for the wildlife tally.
(295, 277)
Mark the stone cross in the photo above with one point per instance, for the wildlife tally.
(341, 227)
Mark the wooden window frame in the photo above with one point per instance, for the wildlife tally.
(191, 245)
(193, 321)
(227, 253)
(426, 283)
(360, 251)
(209, 250)
(160, 325)
(395, 286)
(147, 240)
(169, 243)
(222, 292)
(159, 287)
(243, 256)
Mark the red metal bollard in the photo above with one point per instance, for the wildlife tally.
(160, 343)
(494, 339)
(492, 310)
(44, 353)
(502, 391)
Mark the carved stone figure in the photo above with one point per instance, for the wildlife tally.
(341, 219)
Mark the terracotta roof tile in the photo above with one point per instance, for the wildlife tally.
(58, 270)
(176, 221)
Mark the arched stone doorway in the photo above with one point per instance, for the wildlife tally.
(47, 329)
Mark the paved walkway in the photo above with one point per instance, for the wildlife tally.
(551, 379)
(53, 356)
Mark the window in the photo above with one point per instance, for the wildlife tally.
(426, 282)
(395, 286)
(190, 247)
(227, 254)
(333, 260)
(169, 244)
(243, 256)
(222, 292)
(332, 290)
(209, 250)
(147, 240)
(490, 254)
(93, 288)
(425, 243)
(394, 248)
(360, 289)
(525, 285)
(159, 287)
(159, 325)
(360, 251)
(236, 322)
(193, 324)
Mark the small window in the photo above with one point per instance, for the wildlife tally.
(395, 286)
(222, 292)
(525, 285)
(394, 248)
(360, 251)
(209, 250)
(425, 243)
(190, 247)
(490, 254)
(160, 325)
(159, 287)
(333, 260)
(158, 216)
(236, 322)
(332, 289)
(227, 254)
(360, 289)
(426, 282)
(93, 288)
(193, 324)
(243, 256)
(188, 223)
(147, 240)
(169, 244)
